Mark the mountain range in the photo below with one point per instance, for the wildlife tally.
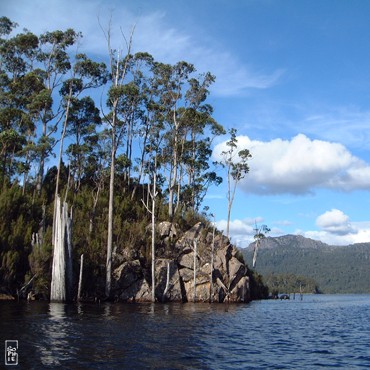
(335, 269)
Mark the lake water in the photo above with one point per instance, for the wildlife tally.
(318, 332)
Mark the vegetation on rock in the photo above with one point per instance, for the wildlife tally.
(140, 159)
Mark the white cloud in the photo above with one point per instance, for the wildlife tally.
(335, 228)
(334, 222)
(242, 231)
(155, 33)
(300, 165)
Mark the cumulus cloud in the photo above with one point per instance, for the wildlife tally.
(242, 231)
(335, 222)
(336, 228)
(300, 165)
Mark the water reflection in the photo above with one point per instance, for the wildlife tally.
(55, 344)
(57, 311)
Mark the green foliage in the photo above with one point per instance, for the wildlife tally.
(19, 220)
(290, 283)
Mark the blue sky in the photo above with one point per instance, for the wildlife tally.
(292, 76)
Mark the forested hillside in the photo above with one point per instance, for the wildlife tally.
(125, 142)
(330, 269)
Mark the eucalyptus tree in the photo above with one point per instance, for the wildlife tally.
(202, 129)
(171, 81)
(260, 233)
(86, 74)
(34, 68)
(95, 151)
(144, 80)
(84, 118)
(55, 64)
(19, 85)
(236, 163)
(154, 150)
(115, 118)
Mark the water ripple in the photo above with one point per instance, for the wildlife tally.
(318, 332)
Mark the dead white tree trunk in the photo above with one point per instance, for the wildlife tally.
(80, 277)
(167, 281)
(212, 264)
(154, 197)
(61, 281)
(195, 270)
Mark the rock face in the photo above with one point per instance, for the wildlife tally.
(185, 276)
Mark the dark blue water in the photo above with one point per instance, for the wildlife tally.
(319, 332)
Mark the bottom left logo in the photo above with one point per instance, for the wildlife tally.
(11, 352)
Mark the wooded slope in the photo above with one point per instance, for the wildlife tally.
(336, 269)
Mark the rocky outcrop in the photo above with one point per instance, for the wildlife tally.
(187, 256)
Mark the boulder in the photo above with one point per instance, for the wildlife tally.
(240, 292)
(166, 229)
(202, 291)
(187, 259)
(175, 273)
(129, 284)
(167, 276)
(237, 270)
(186, 241)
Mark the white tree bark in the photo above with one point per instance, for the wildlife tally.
(61, 281)
(80, 278)
(212, 265)
(167, 281)
(195, 271)
(154, 197)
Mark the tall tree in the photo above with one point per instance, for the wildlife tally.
(83, 120)
(118, 71)
(19, 85)
(170, 82)
(86, 74)
(236, 163)
(202, 129)
(154, 150)
(56, 63)
(260, 233)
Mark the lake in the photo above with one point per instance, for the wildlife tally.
(317, 332)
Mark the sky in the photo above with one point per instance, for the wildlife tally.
(292, 76)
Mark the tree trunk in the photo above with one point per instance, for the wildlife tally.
(195, 271)
(61, 154)
(61, 282)
(154, 195)
(173, 175)
(40, 174)
(212, 266)
(108, 280)
(80, 278)
(167, 282)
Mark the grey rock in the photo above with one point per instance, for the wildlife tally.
(175, 274)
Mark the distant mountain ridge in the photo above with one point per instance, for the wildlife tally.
(291, 240)
(336, 269)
